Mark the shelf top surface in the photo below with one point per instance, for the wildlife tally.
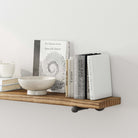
(59, 99)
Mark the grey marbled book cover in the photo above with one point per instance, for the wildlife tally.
(79, 77)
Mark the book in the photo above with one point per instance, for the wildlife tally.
(86, 72)
(4, 88)
(66, 92)
(99, 77)
(53, 55)
(79, 77)
(80, 72)
(71, 77)
(8, 81)
(68, 78)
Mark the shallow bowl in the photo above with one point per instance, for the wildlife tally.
(36, 85)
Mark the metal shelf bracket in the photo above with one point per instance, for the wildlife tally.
(75, 109)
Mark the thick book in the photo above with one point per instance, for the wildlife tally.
(4, 88)
(50, 60)
(8, 81)
(79, 77)
(85, 56)
(99, 77)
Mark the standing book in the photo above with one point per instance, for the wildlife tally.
(66, 92)
(50, 60)
(85, 56)
(69, 78)
(99, 77)
(79, 77)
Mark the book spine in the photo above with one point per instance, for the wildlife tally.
(68, 50)
(10, 87)
(79, 77)
(66, 93)
(8, 81)
(72, 77)
(90, 92)
(69, 86)
(8, 84)
(88, 85)
(36, 58)
(85, 76)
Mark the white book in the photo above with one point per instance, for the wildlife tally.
(8, 81)
(99, 76)
(53, 55)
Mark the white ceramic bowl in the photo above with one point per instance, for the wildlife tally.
(6, 70)
(36, 85)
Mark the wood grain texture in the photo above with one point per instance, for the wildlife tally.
(59, 99)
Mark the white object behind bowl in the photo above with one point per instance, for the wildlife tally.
(6, 70)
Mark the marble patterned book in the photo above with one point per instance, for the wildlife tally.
(79, 77)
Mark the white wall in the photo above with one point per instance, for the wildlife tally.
(91, 25)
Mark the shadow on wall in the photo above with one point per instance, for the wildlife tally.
(25, 73)
(125, 79)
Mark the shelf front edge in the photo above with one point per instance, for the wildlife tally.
(61, 100)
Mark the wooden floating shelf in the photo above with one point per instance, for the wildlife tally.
(59, 99)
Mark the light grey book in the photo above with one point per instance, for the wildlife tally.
(79, 77)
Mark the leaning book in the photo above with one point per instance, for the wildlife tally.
(52, 62)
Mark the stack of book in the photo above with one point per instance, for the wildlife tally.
(9, 84)
(88, 76)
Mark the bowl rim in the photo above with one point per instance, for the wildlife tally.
(36, 78)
